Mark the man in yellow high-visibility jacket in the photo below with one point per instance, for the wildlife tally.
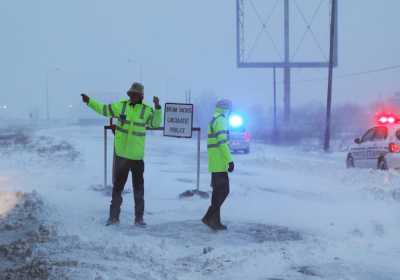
(219, 163)
(129, 142)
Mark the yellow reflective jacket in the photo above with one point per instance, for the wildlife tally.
(130, 134)
(219, 154)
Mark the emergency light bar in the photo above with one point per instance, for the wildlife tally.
(235, 121)
(387, 119)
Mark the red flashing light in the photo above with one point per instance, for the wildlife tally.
(387, 119)
(394, 148)
(383, 119)
(246, 136)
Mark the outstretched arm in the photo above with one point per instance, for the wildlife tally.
(110, 110)
(155, 118)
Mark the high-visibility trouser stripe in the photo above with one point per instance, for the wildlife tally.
(105, 110)
(111, 110)
(217, 144)
(216, 134)
(120, 129)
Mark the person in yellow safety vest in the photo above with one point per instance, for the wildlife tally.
(219, 163)
(129, 142)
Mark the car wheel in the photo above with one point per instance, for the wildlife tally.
(382, 164)
(246, 151)
(349, 161)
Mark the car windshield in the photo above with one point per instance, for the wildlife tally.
(381, 133)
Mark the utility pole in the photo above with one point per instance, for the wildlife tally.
(275, 132)
(329, 95)
(47, 96)
(286, 69)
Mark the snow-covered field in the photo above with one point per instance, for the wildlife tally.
(291, 214)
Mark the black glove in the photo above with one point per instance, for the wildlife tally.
(85, 98)
(156, 102)
(231, 166)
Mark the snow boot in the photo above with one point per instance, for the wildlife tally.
(208, 221)
(140, 222)
(218, 223)
(112, 221)
(221, 227)
(215, 224)
(206, 217)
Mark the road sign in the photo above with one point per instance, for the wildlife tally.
(178, 120)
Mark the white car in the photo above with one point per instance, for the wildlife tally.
(239, 140)
(378, 148)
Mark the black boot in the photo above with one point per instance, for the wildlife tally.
(112, 221)
(113, 217)
(139, 222)
(206, 216)
(220, 226)
(215, 220)
(208, 221)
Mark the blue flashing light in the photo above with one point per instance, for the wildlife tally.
(235, 121)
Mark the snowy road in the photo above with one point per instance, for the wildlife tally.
(292, 214)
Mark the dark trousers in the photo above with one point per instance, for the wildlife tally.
(121, 168)
(220, 186)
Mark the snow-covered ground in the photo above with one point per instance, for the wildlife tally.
(291, 213)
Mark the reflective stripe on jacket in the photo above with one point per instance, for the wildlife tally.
(130, 134)
(219, 154)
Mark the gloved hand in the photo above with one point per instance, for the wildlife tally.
(156, 102)
(231, 166)
(85, 98)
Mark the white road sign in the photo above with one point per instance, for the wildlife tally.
(178, 120)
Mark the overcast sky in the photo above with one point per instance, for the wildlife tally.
(98, 46)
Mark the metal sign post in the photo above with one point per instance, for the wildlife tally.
(106, 127)
(178, 122)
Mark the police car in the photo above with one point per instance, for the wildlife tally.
(379, 147)
(239, 138)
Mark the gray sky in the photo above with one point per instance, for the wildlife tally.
(98, 47)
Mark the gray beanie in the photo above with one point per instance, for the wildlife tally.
(224, 104)
(136, 88)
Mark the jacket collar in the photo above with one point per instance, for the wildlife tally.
(133, 104)
(220, 111)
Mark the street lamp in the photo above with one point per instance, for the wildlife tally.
(47, 91)
(140, 65)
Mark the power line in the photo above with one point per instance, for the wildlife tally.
(349, 75)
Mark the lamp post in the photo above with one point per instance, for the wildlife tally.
(140, 65)
(47, 90)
